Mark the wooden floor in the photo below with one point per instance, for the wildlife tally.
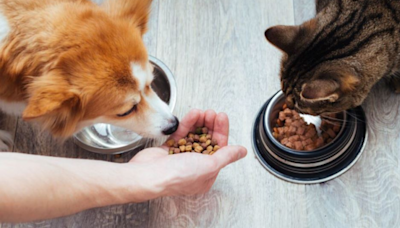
(221, 60)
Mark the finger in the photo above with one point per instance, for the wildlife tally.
(209, 119)
(228, 155)
(199, 123)
(221, 129)
(187, 124)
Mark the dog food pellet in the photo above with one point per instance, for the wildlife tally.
(196, 138)
(293, 132)
(170, 143)
(189, 148)
(198, 142)
(182, 142)
(199, 131)
(203, 139)
(199, 149)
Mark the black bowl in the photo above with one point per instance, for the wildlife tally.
(308, 167)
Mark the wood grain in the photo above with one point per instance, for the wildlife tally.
(221, 61)
(303, 10)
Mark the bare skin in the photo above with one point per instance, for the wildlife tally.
(39, 187)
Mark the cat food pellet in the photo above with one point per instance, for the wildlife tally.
(293, 132)
(199, 142)
(331, 133)
(336, 128)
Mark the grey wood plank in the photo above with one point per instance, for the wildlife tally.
(222, 61)
(303, 10)
(8, 123)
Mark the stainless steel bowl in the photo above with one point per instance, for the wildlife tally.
(308, 167)
(108, 139)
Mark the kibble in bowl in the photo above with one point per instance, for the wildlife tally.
(308, 167)
(195, 142)
(293, 132)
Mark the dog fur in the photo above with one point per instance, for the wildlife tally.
(67, 64)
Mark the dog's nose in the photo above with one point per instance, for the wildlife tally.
(172, 128)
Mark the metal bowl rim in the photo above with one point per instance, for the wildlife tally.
(297, 181)
(274, 98)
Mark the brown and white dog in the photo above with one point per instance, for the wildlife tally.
(67, 64)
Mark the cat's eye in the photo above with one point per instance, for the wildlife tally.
(134, 108)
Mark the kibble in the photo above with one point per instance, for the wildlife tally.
(198, 142)
(293, 132)
(182, 142)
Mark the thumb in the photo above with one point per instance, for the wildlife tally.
(229, 154)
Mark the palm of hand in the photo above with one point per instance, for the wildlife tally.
(192, 173)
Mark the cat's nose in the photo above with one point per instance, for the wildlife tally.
(290, 101)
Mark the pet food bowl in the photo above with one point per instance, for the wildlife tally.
(308, 167)
(109, 139)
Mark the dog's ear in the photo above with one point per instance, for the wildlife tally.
(47, 101)
(47, 96)
(136, 12)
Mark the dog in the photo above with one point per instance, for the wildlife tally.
(68, 64)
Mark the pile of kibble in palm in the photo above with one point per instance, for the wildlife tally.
(293, 132)
(198, 142)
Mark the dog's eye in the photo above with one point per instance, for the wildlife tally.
(128, 112)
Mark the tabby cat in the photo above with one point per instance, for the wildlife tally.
(331, 62)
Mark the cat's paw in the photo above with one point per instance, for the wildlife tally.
(6, 141)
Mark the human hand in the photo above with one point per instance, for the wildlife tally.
(188, 173)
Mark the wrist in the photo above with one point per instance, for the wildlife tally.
(139, 183)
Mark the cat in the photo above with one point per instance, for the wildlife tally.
(331, 62)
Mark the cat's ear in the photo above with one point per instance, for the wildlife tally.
(283, 37)
(320, 90)
(288, 38)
